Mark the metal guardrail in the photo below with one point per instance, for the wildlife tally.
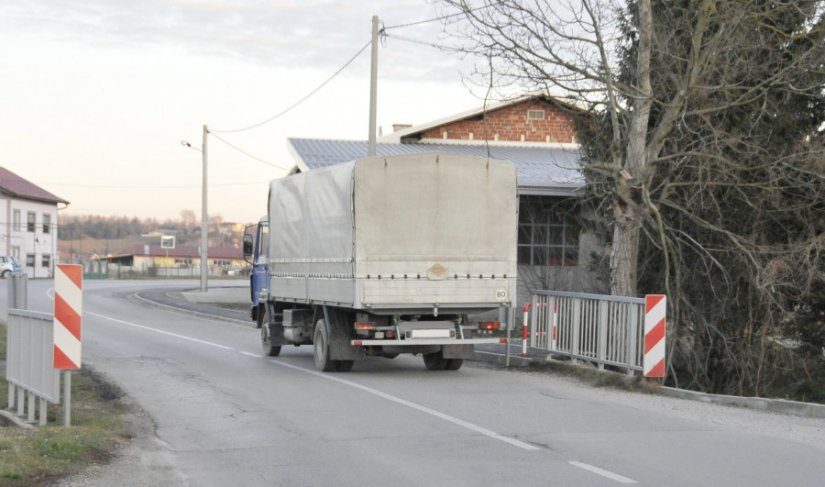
(602, 329)
(29, 368)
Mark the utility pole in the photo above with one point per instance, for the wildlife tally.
(204, 220)
(373, 86)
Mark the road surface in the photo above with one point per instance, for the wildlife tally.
(225, 415)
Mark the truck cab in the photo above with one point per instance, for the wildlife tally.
(256, 252)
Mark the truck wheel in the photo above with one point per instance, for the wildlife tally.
(435, 361)
(320, 345)
(270, 350)
(454, 363)
(6, 274)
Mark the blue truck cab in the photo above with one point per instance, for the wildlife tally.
(256, 252)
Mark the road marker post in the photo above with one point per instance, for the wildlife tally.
(68, 313)
(653, 361)
(525, 335)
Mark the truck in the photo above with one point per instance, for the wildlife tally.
(386, 255)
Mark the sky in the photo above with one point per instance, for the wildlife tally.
(96, 96)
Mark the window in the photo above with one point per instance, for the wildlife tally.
(46, 261)
(15, 252)
(30, 260)
(16, 220)
(47, 223)
(30, 221)
(535, 114)
(548, 233)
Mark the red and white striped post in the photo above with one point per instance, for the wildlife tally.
(68, 313)
(524, 329)
(653, 361)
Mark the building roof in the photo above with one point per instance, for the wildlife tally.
(187, 251)
(541, 169)
(400, 135)
(16, 186)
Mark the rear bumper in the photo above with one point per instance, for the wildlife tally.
(413, 342)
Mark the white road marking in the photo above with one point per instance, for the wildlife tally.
(162, 332)
(417, 407)
(250, 354)
(604, 473)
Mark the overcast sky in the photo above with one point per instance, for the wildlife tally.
(96, 95)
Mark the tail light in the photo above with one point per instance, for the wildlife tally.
(489, 325)
(363, 325)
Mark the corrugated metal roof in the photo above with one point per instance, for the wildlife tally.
(545, 170)
(154, 250)
(15, 185)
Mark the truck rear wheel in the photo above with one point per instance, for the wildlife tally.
(270, 350)
(320, 345)
(454, 363)
(435, 361)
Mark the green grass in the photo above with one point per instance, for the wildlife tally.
(39, 455)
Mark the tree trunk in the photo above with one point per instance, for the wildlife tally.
(624, 259)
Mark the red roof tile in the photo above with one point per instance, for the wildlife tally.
(16, 186)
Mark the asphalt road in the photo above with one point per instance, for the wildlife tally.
(222, 414)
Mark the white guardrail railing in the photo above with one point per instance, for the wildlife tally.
(29, 368)
(602, 329)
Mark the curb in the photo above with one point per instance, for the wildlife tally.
(187, 310)
(783, 406)
(780, 406)
(500, 359)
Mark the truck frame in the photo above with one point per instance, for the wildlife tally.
(386, 255)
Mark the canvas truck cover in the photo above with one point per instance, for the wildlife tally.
(415, 230)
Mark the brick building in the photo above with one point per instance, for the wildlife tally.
(536, 119)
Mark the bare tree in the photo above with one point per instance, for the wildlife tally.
(703, 141)
(579, 50)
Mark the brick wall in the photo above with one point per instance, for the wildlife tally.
(511, 124)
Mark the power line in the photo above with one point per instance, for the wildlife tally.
(247, 153)
(435, 19)
(413, 41)
(288, 109)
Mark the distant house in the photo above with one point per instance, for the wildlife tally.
(29, 225)
(536, 133)
(180, 261)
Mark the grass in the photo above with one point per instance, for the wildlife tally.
(39, 455)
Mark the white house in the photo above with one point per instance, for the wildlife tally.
(28, 224)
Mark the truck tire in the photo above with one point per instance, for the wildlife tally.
(6, 274)
(270, 350)
(435, 361)
(454, 363)
(320, 347)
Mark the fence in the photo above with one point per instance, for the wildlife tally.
(29, 368)
(604, 330)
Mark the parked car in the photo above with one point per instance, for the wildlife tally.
(8, 265)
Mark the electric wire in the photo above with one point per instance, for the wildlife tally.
(230, 144)
(443, 17)
(307, 96)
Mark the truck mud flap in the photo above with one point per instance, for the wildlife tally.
(276, 334)
(340, 336)
(459, 351)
